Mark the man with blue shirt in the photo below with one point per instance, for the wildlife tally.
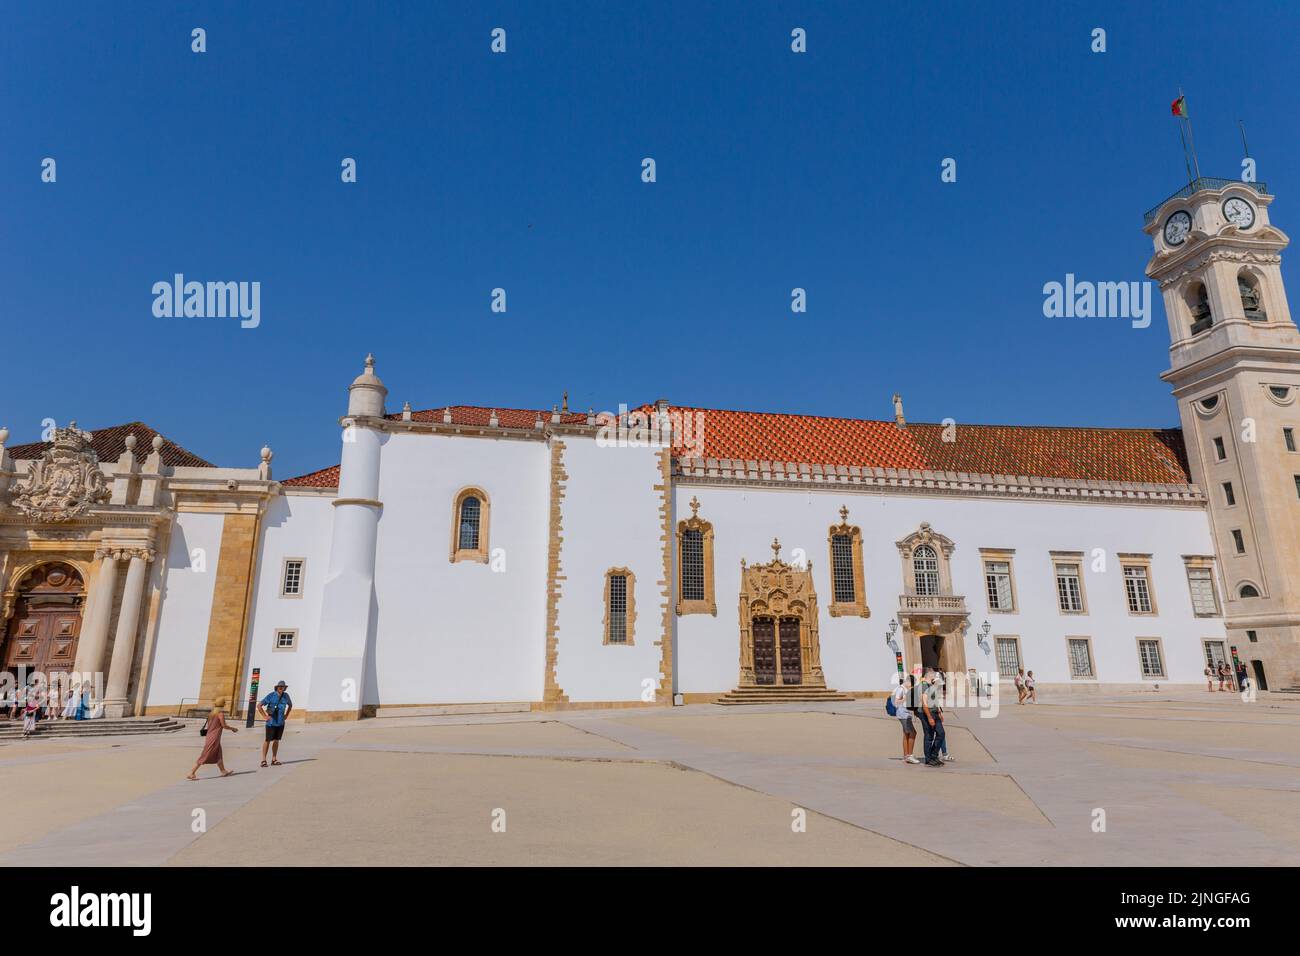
(275, 707)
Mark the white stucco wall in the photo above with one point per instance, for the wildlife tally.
(611, 520)
(294, 526)
(853, 650)
(177, 665)
(462, 632)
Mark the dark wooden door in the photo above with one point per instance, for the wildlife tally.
(42, 634)
(763, 630)
(791, 657)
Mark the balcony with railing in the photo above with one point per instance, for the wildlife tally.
(932, 603)
(1205, 182)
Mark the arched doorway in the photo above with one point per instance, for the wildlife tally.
(932, 652)
(41, 636)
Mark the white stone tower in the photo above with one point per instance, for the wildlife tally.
(1235, 371)
(338, 672)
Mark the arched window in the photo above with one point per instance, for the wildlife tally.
(1252, 302)
(695, 564)
(848, 587)
(1198, 301)
(1249, 591)
(925, 568)
(469, 526)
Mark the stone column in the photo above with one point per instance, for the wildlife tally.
(94, 637)
(128, 619)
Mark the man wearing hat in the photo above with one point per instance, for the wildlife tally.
(275, 707)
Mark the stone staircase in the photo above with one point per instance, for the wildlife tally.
(781, 694)
(103, 727)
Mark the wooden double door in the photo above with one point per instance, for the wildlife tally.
(777, 655)
(41, 637)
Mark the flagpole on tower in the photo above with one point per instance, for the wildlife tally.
(1191, 140)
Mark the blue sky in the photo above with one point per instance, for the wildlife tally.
(522, 171)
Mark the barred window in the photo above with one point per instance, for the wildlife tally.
(617, 599)
(842, 572)
(1204, 600)
(1137, 589)
(1149, 652)
(1008, 655)
(692, 565)
(292, 584)
(1069, 589)
(470, 513)
(1080, 658)
(925, 568)
(997, 581)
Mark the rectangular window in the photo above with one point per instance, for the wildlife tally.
(997, 581)
(1008, 656)
(1214, 654)
(692, 565)
(1204, 601)
(1069, 589)
(1080, 658)
(1149, 653)
(1252, 637)
(286, 640)
(1220, 453)
(1238, 541)
(618, 609)
(291, 586)
(1297, 485)
(842, 573)
(1228, 497)
(1137, 589)
(1288, 436)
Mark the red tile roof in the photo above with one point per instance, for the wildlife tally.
(1148, 455)
(109, 444)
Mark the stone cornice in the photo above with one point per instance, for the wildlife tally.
(711, 471)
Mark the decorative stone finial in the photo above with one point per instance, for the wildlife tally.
(130, 443)
(555, 413)
(157, 443)
(899, 420)
(370, 362)
(844, 514)
(776, 549)
(406, 411)
(266, 453)
(493, 420)
(565, 406)
(4, 434)
(591, 416)
(446, 415)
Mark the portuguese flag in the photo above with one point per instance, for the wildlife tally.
(1179, 107)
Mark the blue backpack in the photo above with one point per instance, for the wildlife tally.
(890, 709)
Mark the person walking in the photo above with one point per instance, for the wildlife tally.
(212, 741)
(1209, 678)
(31, 706)
(932, 724)
(901, 696)
(1020, 686)
(1225, 677)
(275, 707)
(1031, 688)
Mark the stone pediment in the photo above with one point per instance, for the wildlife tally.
(65, 483)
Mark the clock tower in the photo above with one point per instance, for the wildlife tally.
(1235, 372)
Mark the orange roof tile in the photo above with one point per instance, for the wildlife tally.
(1149, 455)
(109, 443)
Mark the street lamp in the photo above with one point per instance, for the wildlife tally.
(982, 638)
(889, 635)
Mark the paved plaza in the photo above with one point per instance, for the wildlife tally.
(1182, 777)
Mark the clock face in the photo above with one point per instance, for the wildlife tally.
(1177, 227)
(1239, 212)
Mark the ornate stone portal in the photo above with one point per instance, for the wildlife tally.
(779, 645)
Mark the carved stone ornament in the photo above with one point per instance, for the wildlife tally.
(66, 482)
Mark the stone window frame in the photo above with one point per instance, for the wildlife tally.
(1069, 658)
(1138, 561)
(1075, 558)
(479, 554)
(631, 608)
(858, 606)
(275, 643)
(943, 548)
(1202, 562)
(1008, 556)
(1160, 649)
(709, 605)
(1020, 655)
(284, 577)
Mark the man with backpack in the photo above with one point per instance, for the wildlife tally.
(897, 706)
(932, 723)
